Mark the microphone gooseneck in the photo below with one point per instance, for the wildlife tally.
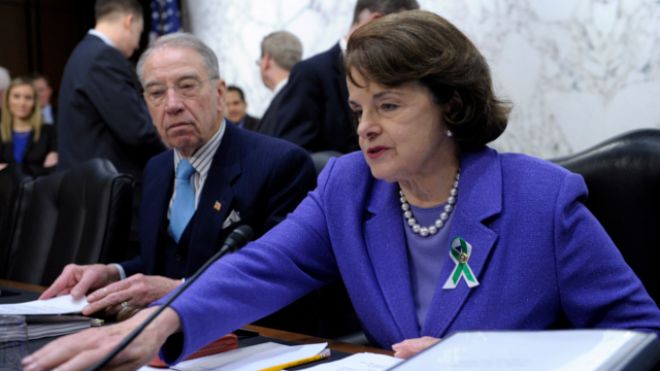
(240, 236)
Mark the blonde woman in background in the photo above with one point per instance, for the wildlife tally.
(24, 140)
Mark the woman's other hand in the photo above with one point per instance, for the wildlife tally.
(410, 347)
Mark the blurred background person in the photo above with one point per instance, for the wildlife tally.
(280, 51)
(26, 141)
(313, 112)
(236, 108)
(5, 79)
(101, 111)
(44, 92)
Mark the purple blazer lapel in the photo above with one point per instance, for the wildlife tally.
(386, 244)
(479, 198)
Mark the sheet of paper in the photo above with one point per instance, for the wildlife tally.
(526, 350)
(358, 362)
(251, 358)
(58, 305)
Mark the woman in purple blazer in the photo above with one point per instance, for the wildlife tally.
(431, 231)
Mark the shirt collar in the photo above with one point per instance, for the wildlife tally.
(101, 36)
(202, 158)
(280, 85)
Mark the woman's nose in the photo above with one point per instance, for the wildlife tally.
(367, 125)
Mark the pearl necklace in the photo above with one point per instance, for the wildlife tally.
(442, 219)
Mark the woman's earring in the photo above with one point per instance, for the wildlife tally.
(449, 133)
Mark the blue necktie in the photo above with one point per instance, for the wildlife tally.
(183, 205)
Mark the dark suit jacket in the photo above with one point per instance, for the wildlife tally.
(268, 123)
(35, 153)
(250, 122)
(260, 178)
(101, 112)
(314, 112)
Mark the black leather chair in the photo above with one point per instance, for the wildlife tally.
(623, 177)
(337, 318)
(79, 216)
(10, 180)
(321, 158)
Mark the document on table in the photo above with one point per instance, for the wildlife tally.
(359, 362)
(255, 357)
(58, 305)
(51, 317)
(534, 350)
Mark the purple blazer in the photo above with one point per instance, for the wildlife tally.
(539, 255)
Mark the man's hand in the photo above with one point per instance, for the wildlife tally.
(78, 280)
(51, 159)
(410, 347)
(136, 291)
(82, 350)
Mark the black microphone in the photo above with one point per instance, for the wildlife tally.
(236, 239)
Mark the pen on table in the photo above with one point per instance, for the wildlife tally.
(324, 354)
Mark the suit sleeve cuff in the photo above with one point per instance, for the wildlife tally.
(120, 269)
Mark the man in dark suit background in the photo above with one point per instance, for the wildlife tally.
(314, 110)
(239, 177)
(280, 51)
(44, 92)
(101, 112)
(236, 109)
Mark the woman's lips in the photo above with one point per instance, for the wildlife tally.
(376, 152)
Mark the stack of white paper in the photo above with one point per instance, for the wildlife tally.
(51, 317)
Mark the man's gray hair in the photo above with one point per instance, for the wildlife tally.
(182, 40)
(285, 48)
(5, 79)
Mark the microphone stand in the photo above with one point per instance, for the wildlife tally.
(236, 239)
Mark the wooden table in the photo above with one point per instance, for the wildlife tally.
(306, 339)
(21, 286)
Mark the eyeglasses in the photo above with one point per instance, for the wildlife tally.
(258, 61)
(185, 88)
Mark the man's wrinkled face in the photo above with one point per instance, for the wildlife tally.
(186, 105)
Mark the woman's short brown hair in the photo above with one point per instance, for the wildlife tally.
(421, 46)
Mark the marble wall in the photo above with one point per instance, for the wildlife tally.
(577, 71)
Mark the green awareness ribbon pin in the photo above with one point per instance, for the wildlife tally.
(460, 253)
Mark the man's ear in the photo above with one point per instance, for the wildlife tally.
(127, 20)
(375, 15)
(221, 87)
